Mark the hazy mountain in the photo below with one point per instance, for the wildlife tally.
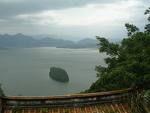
(20, 40)
(87, 42)
(52, 42)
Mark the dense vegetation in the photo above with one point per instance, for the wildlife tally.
(58, 74)
(128, 63)
(1, 91)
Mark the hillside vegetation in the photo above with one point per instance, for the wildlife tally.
(128, 63)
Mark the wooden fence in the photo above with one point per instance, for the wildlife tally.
(112, 100)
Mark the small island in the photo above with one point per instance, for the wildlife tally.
(58, 74)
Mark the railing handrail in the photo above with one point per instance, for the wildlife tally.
(72, 96)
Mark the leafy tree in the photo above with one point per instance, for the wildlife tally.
(1, 91)
(147, 27)
(128, 62)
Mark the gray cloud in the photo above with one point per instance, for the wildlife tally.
(14, 7)
(9, 9)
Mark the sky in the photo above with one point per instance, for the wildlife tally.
(71, 19)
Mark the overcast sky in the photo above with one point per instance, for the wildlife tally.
(74, 19)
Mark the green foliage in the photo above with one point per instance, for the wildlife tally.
(128, 63)
(147, 27)
(132, 29)
(1, 91)
(44, 110)
(147, 97)
(16, 110)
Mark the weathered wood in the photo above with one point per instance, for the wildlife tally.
(72, 96)
(102, 102)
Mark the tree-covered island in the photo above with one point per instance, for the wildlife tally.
(58, 74)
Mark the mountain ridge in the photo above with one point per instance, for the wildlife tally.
(24, 41)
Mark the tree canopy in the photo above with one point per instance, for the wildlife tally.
(1, 91)
(128, 62)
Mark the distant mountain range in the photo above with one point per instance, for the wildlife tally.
(22, 41)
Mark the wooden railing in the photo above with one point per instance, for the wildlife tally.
(68, 100)
(76, 100)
